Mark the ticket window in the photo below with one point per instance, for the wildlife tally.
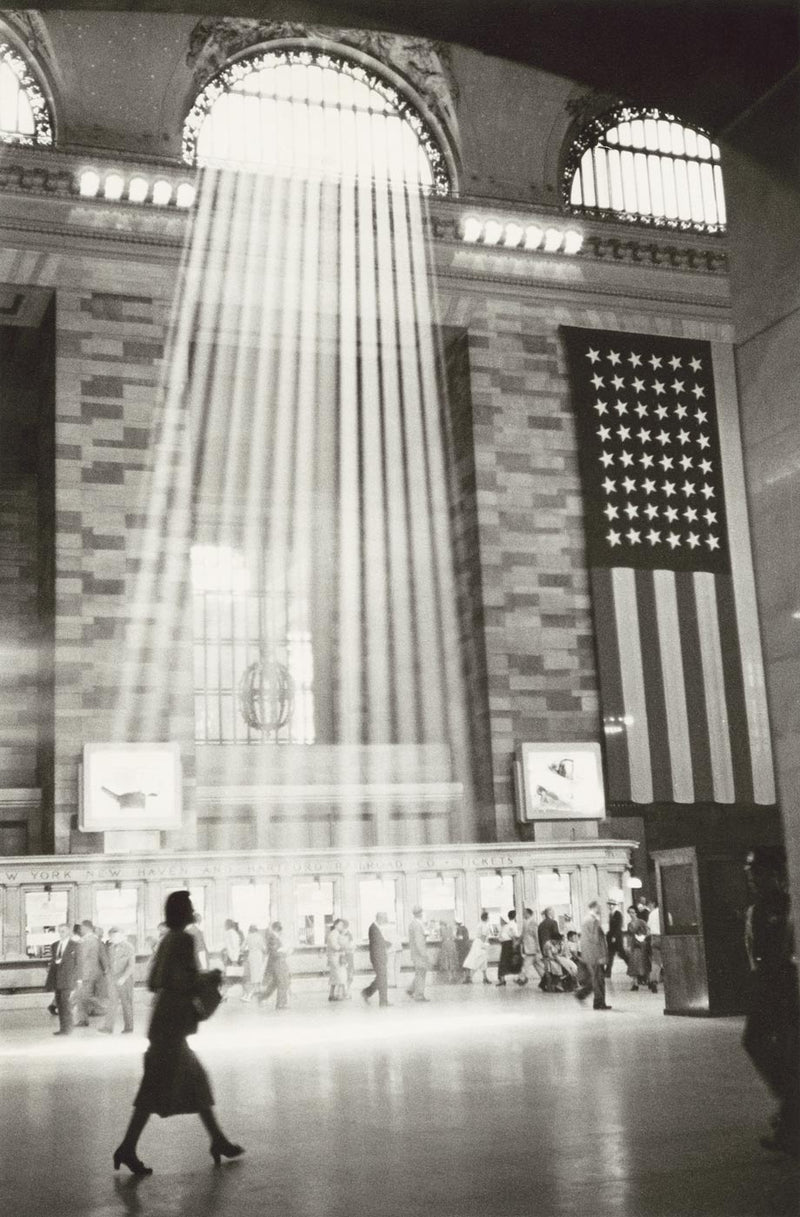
(440, 900)
(377, 895)
(497, 897)
(315, 910)
(44, 913)
(554, 890)
(250, 905)
(118, 907)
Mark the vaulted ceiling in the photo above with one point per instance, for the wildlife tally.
(710, 59)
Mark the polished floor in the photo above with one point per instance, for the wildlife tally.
(482, 1103)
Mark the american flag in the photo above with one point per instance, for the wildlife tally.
(677, 688)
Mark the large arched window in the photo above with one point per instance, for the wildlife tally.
(647, 167)
(308, 110)
(24, 114)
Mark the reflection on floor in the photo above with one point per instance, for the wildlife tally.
(483, 1103)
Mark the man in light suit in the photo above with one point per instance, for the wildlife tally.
(378, 957)
(594, 956)
(122, 961)
(419, 954)
(62, 976)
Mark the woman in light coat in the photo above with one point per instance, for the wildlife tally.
(255, 962)
(337, 964)
(477, 959)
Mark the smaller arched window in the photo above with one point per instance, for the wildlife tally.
(24, 113)
(309, 110)
(647, 167)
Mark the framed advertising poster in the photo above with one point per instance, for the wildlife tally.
(559, 782)
(130, 787)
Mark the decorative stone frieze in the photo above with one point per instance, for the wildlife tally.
(214, 41)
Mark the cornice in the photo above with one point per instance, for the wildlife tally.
(42, 194)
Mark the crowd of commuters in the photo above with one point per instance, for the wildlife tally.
(92, 976)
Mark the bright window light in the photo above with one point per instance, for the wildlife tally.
(492, 232)
(137, 189)
(472, 229)
(573, 240)
(513, 234)
(162, 193)
(113, 186)
(307, 111)
(184, 196)
(24, 113)
(648, 167)
(552, 240)
(533, 236)
(89, 183)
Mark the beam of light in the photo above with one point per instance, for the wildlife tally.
(300, 446)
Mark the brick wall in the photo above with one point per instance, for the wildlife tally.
(109, 411)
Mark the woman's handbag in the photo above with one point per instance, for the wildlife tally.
(208, 996)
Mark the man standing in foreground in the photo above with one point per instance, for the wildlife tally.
(378, 958)
(594, 954)
(772, 1031)
(419, 954)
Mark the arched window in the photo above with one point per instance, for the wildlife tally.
(308, 110)
(24, 114)
(647, 167)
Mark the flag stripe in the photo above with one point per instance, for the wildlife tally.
(734, 692)
(660, 758)
(623, 582)
(745, 603)
(716, 706)
(695, 688)
(669, 638)
(618, 774)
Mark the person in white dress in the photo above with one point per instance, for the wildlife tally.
(477, 959)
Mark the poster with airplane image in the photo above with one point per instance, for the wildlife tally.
(560, 782)
(131, 787)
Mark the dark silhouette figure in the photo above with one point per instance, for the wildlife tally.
(615, 940)
(772, 1030)
(174, 1082)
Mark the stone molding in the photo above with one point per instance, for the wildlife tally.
(501, 855)
(144, 221)
(288, 794)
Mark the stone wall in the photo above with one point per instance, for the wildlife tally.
(109, 352)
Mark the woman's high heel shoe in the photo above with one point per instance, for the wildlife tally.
(224, 1149)
(124, 1157)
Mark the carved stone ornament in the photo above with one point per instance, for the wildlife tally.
(31, 29)
(214, 41)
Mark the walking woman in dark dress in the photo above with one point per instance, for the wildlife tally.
(615, 939)
(174, 1082)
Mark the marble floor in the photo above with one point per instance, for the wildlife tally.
(482, 1103)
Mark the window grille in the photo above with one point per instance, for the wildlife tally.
(253, 654)
(309, 111)
(24, 113)
(646, 167)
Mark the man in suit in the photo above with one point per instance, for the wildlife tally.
(594, 956)
(532, 961)
(92, 965)
(378, 957)
(62, 976)
(122, 961)
(419, 954)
